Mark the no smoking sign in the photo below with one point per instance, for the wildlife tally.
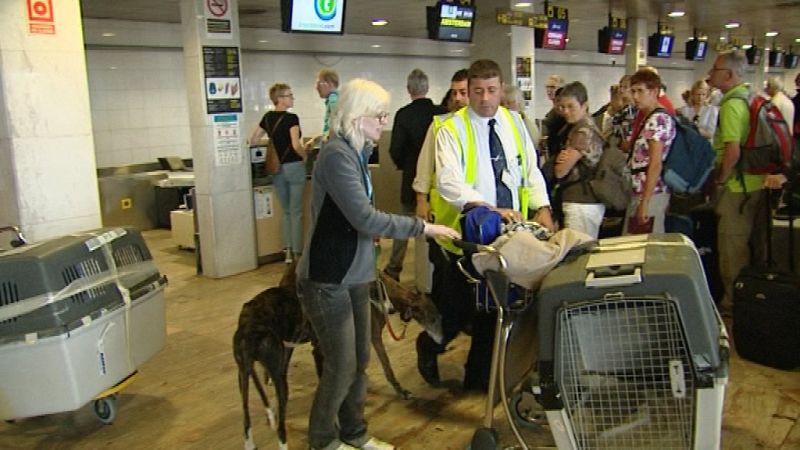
(217, 8)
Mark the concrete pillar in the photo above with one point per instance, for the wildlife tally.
(48, 181)
(636, 55)
(504, 44)
(224, 203)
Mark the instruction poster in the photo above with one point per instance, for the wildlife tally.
(222, 81)
(227, 140)
(262, 199)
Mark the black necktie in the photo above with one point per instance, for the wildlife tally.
(504, 199)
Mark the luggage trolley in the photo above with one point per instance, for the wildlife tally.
(632, 354)
(513, 352)
(78, 315)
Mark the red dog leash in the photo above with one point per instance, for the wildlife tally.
(384, 294)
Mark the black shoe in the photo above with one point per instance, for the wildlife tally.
(472, 383)
(426, 363)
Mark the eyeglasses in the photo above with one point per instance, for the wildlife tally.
(287, 95)
(382, 116)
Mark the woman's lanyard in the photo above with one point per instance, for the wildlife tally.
(364, 162)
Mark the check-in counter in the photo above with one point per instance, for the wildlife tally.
(269, 221)
(141, 195)
(127, 196)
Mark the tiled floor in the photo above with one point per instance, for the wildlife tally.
(186, 397)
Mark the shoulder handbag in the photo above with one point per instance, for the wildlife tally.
(611, 181)
(272, 163)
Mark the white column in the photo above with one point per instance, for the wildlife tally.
(503, 43)
(636, 54)
(48, 181)
(222, 178)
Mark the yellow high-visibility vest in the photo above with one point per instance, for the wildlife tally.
(459, 124)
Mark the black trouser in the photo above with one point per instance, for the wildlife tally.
(454, 297)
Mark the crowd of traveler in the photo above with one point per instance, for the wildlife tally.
(478, 148)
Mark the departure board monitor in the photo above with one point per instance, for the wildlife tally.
(451, 22)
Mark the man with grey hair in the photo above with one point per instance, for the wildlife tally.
(408, 133)
(741, 200)
(782, 101)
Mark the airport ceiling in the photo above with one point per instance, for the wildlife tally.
(407, 17)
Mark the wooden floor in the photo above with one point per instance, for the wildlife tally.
(186, 397)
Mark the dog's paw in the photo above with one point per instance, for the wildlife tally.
(248, 442)
(271, 419)
(283, 445)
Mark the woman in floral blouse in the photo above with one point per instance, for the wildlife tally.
(650, 141)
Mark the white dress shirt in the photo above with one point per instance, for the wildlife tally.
(425, 163)
(707, 117)
(450, 170)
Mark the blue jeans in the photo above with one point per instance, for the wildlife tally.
(340, 317)
(290, 183)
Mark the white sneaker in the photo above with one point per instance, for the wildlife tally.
(377, 444)
(287, 256)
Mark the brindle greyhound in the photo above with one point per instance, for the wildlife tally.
(273, 323)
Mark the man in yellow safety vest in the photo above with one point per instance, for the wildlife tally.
(483, 156)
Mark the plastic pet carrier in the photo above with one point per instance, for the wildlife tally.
(78, 314)
(632, 352)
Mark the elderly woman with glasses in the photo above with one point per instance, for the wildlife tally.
(283, 127)
(338, 265)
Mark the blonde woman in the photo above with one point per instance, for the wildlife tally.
(699, 111)
(283, 127)
(339, 263)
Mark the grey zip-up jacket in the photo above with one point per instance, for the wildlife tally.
(339, 248)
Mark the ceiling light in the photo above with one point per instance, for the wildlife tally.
(677, 14)
(375, 45)
(771, 33)
(457, 50)
(722, 38)
(797, 39)
(730, 25)
(523, 4)
(379, 22)
(263, 41)
(109, 34)
(746, 46)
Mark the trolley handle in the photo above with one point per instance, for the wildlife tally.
(472, 247)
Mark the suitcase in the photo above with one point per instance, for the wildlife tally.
(632, 353)
(766, 313)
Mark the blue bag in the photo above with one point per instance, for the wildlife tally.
(481, 225)
(690, 159)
